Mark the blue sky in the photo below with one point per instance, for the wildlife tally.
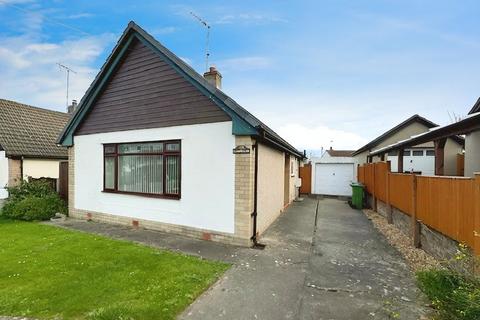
(321, 73)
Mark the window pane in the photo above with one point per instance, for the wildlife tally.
(406, 153)
(173, 146)
(430, 153)
(393, 153)
(109, 173)
(417, 153)
(109, 149)
(151, 147)
(140, 173)
(172, 175)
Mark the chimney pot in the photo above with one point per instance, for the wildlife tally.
(71, 108)
(213, 77)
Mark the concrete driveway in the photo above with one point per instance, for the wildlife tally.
(338, 268)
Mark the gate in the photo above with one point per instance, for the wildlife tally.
(63, 180)
(306, 176)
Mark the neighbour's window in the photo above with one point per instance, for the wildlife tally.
(147, 168)
(406, 153)
(393, 153)
(430, 153)
(417, 153)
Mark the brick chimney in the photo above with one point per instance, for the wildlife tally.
(71, 108)
(213, 77)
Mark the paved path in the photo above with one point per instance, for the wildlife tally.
(342, 269)
(354, 273)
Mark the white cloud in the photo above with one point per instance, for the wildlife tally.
(249, 18)
(30, 73)
(244, 63)
(318, 137)
(80, 15)
(163, 30)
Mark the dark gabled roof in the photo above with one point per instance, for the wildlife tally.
(30, 131)
(415, 118)
(244, 123)
(476, 107)
(340, 153)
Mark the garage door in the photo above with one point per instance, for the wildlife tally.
(333, 178)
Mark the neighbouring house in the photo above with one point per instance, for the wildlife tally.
(156, 145)
(28, 148)
(418, 158)
(333, 172)
(439, 136)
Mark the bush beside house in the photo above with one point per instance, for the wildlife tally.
(35, 200)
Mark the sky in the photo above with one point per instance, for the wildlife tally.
(325, 73)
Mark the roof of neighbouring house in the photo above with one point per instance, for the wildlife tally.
(244, 123)
(30, 131)
(415, 118)
(464, 126)
(340, 153)
(476, 107)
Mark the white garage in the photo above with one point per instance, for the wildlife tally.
(333, 172)
(334, 178)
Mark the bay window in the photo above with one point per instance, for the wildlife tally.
(144, 168)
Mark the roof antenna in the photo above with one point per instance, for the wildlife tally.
(206, 25)
(68, 70)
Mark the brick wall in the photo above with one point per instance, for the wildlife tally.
(244, 189)
(14, 172)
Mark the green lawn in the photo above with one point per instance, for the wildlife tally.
(48, 272)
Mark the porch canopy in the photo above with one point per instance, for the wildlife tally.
(438, 135)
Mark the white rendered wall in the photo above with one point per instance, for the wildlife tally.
(207, 186)
(424, 163)
(40, 168)
(3, 175)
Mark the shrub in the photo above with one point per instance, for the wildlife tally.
(35, 200)
(454, 293)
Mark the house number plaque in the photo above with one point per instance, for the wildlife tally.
(241, 150)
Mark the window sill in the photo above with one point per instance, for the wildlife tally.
(145, 195)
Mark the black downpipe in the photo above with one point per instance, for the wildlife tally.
(255, 196)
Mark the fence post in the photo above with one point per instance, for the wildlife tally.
(476, 226)
(374, 196)
(387, 193)
(415, 226)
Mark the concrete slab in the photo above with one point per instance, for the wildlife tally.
(338, 268)
(354, 273)
(269, 285)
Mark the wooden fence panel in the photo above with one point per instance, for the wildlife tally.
(361, 174)
(449, 205)
(401, 191)
(369, 177)
(446, 204)
(381, 180)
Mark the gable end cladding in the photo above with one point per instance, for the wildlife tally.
(243, 123)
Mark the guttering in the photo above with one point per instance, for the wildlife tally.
(264, 137)
(255, 195)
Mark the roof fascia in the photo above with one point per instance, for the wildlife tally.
(239, 125)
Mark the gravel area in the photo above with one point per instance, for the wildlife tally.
(416, 258)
